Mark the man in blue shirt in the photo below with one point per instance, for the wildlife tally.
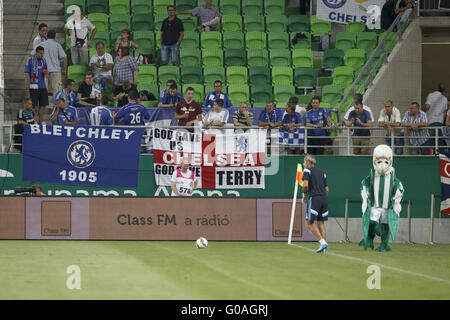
(35, 73)
(101, 116)
(316, 118)
(170, 98)
(270, 118)
(134, 113)
(64, 114)
(217, 94)
(360, 118)
(69, 95)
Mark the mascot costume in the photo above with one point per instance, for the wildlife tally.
(382, 194)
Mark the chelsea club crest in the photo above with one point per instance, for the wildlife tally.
(334, 4)
(81, 154)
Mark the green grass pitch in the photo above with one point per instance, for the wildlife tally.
(225, 270)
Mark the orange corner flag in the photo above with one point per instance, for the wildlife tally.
(299, 177)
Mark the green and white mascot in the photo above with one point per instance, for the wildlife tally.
(382, 194)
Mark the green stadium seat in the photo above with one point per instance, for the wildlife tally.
(378, 61)
(142, 50)
(298, 23)
(212, 57)
(235, 57)
(282, 75)
(332, 94)
(237, 75)
(119, 6)
(257, 58)
(333, 58)
(145, 39)
(258, 76)
(150, 87)
(345, 40)
(118, 22)
(211, 74)
(283, 93)
(160, 6)
(190, 57)
(190, 22)
(77, 73)
(304, 43)
(390, 42)
(230, 7)
(280, 57)
(302, 58)
(159, 18)
(231, 22)
(261, 93)
(148, 103)
(201, 3)
(343, 75)
(190, 40)
(320, 26)
(304, 99)
(254, 23)
(252, 7)
(255, 40)
(273, 7)
(100, 20)
(168, 72)
(305, 78)
(141, 22)
(233, 40)
(276, 23)
(182, 5)
(278, 40)
(211, 39)
(259, 105)
(355, 27)
(147, 74)
(367, 41)
(115, 35)
(68, 3)
(141, 7)
(355, 58)
(191, 74)
(199, 91)
(238, 93)
(97, 6)
(102, 36)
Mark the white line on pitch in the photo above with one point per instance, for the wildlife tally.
(376, 263)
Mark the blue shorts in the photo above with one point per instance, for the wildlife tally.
(317, 208)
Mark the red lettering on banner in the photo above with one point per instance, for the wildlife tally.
(445, 168)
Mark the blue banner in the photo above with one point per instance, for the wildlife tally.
(82, 155)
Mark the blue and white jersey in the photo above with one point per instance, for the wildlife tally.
(211, 97)
(71, 98)
(133, 114)
(69, 114)
(101, 116)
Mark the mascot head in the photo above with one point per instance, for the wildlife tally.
(382, 159)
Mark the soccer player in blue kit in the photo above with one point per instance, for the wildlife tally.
(133, 113)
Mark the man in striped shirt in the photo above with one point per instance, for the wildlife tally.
(414, 120)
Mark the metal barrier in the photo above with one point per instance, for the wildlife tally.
(432, 204)
(431, 6)
(342, 142)
(347, 202)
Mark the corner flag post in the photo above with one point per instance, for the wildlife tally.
(298, 181)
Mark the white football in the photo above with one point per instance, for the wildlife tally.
(201, 243)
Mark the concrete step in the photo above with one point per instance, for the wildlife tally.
(25, 8)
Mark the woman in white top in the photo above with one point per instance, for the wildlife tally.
(183, 180)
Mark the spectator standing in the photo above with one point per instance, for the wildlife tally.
(391, 119)
(436, 107)
(243, 117)
(79, 44)
(391, 9)
(35, 74)
(217, 94)
(172, 33)
(53, 54)
(171, 98)
(132, 114)
(360, 118)
(101, 115)
(69, 95)
(358, 98)
(414, 120)
(63, 114)
(124, 41)
(209, 16)
(291, 121)
(315, 118)
(126, 68)
(188, 111)
(101, 65)
(120, 92)
(41, 36)
(87, 90)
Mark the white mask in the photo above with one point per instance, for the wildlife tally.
(382, 159)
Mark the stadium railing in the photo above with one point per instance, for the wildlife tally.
(342, 143)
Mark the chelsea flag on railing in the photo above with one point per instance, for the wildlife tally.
(81, 155)
(444, 159)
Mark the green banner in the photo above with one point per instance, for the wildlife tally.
(420, 177)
